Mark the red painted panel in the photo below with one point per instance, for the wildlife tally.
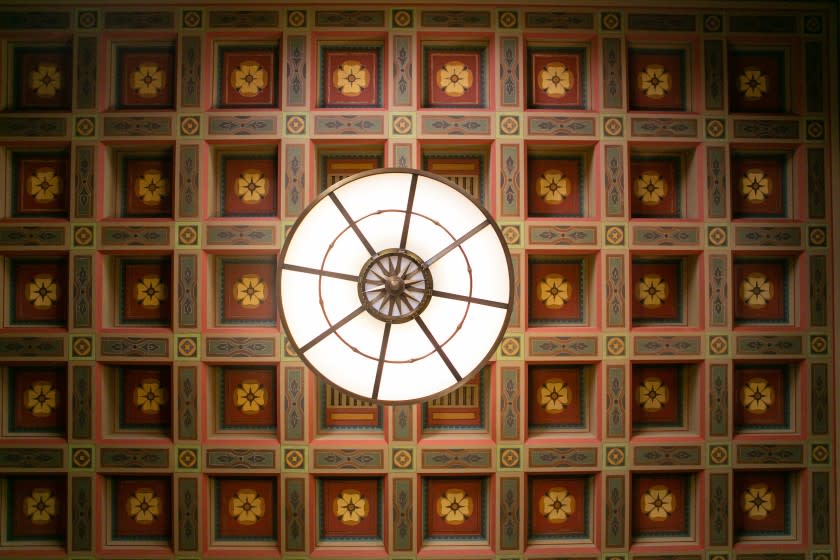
(351, 508)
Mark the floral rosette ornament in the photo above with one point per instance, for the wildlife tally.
(350, 507)
(350, 78)
(454, 78)
(555, 79)
(454, 506)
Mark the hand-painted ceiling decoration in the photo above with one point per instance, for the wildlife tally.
(662, 175)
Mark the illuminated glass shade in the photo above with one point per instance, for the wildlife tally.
(395, 285)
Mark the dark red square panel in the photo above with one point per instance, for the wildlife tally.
(657, 79)
(555, 186)
(141, 508)
(661, 505)
(657, 291)
(39, 397)
(455, 508)
(763, 503)
(249, 185)
(247, 291)
(761, 291)
(351, 77)
(248, 77)
(657, 396)
(146, 78)
(555, 291)
(351, 508)
(44, 77)
(558, 78)
(559, 507)
(145, 287)
(759, 185)
(758, 81)
(35, 508)
(762, 398)
(39, 291)
(248, 397)
(556, 397)
(41, 184)
(145, 397)
(147, 187)
(454, 77)
(657, 187)
(245, 509)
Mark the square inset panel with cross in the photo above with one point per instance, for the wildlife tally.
(455, 508)
(146, 184)
(766, 505)
(247, 76)
(658, 291)
(559, 509)
(556, 185)
(557, 289)
(661, 506)
(350, 76)
(248, 183)
(41, 183)
(143, 398)
(141, 510)
(44, 77)
(559, 398)
(762, 290)
(759, 185)
(35, 509)
(763, 397)
(758, 80)
(350, 510)
(38, 291)
(454, 77)
(144, 288)
(246, 291)
(658, 189)
(145, 77)
(247, 398)
(659, 394)
(244, 509)
(558, 77)
(658, 79)
(37, 399)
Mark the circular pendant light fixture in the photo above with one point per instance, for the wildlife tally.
(395, 286)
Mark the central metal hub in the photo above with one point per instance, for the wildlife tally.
(395, 286)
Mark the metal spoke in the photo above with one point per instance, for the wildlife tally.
(353, 225)
(332, 329)
(375, 289)
(406, 297)
(383, 349)
(320, 272)
(411, 191)
(379, 296)
(456, 243)
(479, 301)
(440, 351)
